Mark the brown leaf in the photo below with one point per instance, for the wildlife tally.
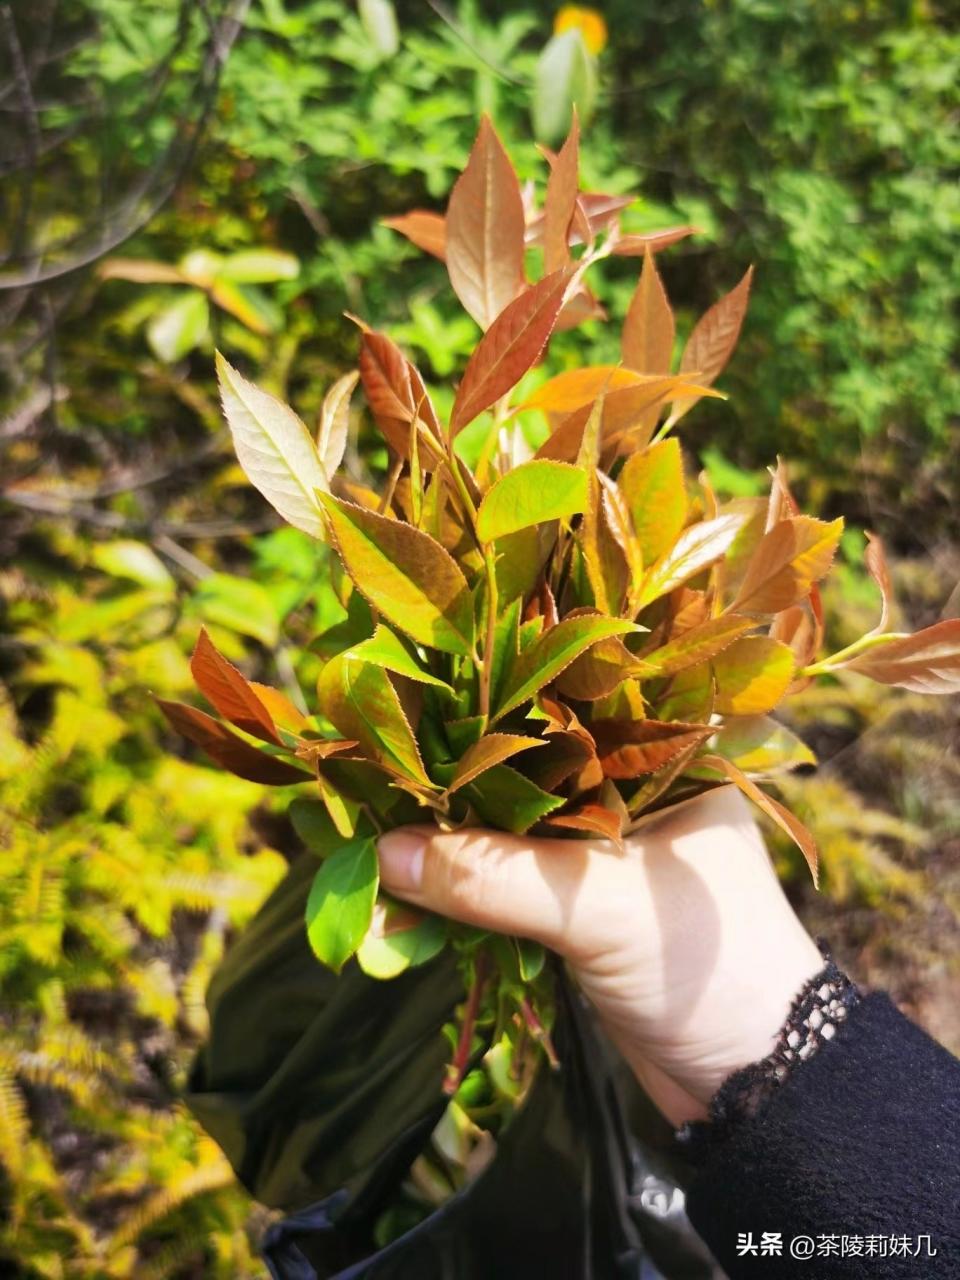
(713, 339)
(485, 230)
(879, 571)
(599, 209)
(649, 329)
(699, 644)
(787, 561)
(599, 671)
(492, 749)
(561, 200)
(592, 818)
(784, 819)
(510, 347)
(632, 246)
(229, 691)
(424, 228)
(227, 749)
(630, 748)
(928, 662)
(396, 394)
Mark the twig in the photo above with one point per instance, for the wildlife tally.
(461, 1059)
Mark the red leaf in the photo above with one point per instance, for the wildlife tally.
(226, 748)
(636, 245)
(561, 200)
(395, 394)
(629, 748)
(485, 230)
(713, 339)
(648, 331)
(228, 690)
(928, 662)
(593, 818)
(424, 228)
(511, 346)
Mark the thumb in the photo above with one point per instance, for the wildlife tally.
(537, 888)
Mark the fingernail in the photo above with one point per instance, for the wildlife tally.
(401, 859)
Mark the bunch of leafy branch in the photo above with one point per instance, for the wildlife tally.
(585, 614)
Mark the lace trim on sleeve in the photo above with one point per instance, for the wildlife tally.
(815, 1016)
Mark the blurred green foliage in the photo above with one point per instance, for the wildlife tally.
(821, 142)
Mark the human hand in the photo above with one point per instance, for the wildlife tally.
(685, 943)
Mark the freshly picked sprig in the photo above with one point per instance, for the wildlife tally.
(560, 643)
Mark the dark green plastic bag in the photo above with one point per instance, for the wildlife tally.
(322, 1091)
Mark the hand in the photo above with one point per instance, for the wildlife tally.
(685, 943)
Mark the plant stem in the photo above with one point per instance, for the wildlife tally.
(486, 670)
(836, 660)
(539, 1032)
(461, 1059)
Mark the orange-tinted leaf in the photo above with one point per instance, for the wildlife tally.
(592, 818)
(395, 394)
(229, 691)
(644, 242)
(649, 329)
(928, 662)
(699, 644)
(578, 387)
(713, 339)
(784, 819)
(424, 228)
(280, 708)
(752, 675)
(653, 485)
(599, 671)
(696, 548)
(227, 749)
(492, 749)
(485, 230)
(879, 570)
(561, 200)
(631, 748)
(510, 347)
(405, 574)
(787, 561)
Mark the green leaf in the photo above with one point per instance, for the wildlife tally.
(384, 649)
(531, 957)
(239, 605)
(761, 746)
(506, 647)
(275, 450)
(506, 799)
(340, 904)
(752, 675)
(653, 485)
(565, 77)
(259, 266)
(391, 950)
(532, 493)
(552, 652)
(359, 700)
(178, 328)
(134, 560)
(696, 549)
(405, 574)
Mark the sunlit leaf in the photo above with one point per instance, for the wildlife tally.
(340, 902)
(761, 745)
(599, 671)
(505, 798)
(492, 749)
(386, 650)
(648, 331)
(396, 394)
(379, 21)
(239, 604)
(631, 748)
(259, 266)
(568, 391)
(532, 493)
(561, 200)
(227, 748)
(591, 818)
(876, 562)
(713, 339)
(752, 675)
(275, 450)
(229, 692)
(928, 662)
(565, 78)
(485, 230)
(511, 346)
(398, 939)
(697, 547)
(179, 327)
(404, 573)
(787, 561)
(699, 644)
(335, 422)
(650, 241)
(653, 484)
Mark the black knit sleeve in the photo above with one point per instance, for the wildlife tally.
(850, 1167)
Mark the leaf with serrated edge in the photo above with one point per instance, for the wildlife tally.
(386, 650)
(505, 798)
(784, 819)
(713, 339)
(511, 346)
(699, 644)
(552, 652)
(650, 241)
(532, 493)
(405, 574)
(340, 902)
(653, 485)
(576, 387)
(788, 560)
(752, 675)
(335, 422)
(649, 329)
(591, 818)
(492, 749)
(275, 450)
(696, 549)
(396, 395)
(485, 230)
(631, 748)
(761, 745)
(227, 748)
(361, 703)
(928, 662)
(229, 691)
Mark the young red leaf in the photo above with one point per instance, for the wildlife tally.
(510, 347)
(713, 339)
(631, 748)
(787, 561)
(561, 200)
(651, 241)
(593, 819)
(928, 662)
(485, 230)
(396, 395)
(424, 228)
(649, 329)
(227, 749)
(879, 570)
(229, 691)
